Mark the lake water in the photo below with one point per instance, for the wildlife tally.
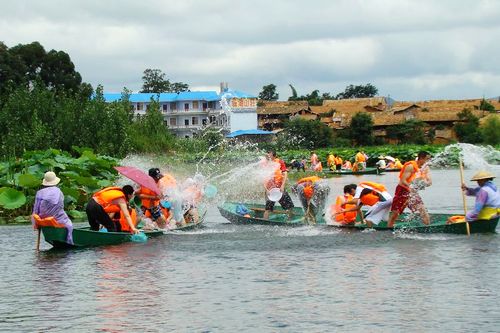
(229, 278)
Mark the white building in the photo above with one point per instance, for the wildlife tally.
(187, 113)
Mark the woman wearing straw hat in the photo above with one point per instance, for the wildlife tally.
(487, 204)
(49, 202)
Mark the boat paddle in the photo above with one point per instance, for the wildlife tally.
(463, 195)
(38, 239)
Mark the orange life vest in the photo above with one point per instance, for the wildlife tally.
(340, 205)
(371, 198)
(413, 174)
(360, 157)
(308, 189)
(148, 203)
(106, 196)
(277, 178)
(167, 182)
(123, 221)
(338, 160)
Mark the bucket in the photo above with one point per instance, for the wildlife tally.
(210, 191)
(274, 194)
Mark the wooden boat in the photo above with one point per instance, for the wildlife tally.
(331, 173)
(366, 171)
(84, 237)
(390, 170)
(405, 222)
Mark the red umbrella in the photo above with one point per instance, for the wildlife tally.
(140, 177)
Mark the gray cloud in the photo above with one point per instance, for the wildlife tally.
(408, 49)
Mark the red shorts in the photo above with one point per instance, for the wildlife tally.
(404, 198)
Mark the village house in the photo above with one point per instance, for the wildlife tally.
(187, 113)
(438, 115)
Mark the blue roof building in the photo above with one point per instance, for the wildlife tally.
(186, 113)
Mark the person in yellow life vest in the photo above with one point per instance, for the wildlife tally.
(374, 195)
(330, 161)
(397, 164)
(278, 178)
(404, 196)
(312, 192)
(347, 165)
(105, 203)
(338, 208)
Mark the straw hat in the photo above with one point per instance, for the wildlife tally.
(483, 175)
(50, 179)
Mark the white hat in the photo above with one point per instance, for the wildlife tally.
(50, 179)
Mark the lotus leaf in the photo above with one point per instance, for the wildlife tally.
(36, 169)
(104, 183)
(87, 181)
(76, 214)
(29, 181)
(11, 198)
(21, 219)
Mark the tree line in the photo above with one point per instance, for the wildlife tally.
(269, 93)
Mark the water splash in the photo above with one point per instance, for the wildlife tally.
(473, 157)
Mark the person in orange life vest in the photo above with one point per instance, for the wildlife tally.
(374, 195)
(347, 165)
(312, 192)
(278, 180)
(359, 161)
(191, 195)
(404, 196)
(168, 187)
(338, 162)
(105, 203)
(121, 221)
(338, 208)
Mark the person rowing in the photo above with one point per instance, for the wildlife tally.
(487, 205)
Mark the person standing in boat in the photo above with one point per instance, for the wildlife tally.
(105, 203)
(312, 192)
(49, 202)
(404, 196)
(170, 191)
(487, 204)
(279, 176)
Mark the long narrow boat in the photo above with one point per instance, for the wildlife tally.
(390, 170)
(331, 173)
(84, 237)
(405, 222)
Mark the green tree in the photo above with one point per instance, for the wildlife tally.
(490, 129)
(268, 93)
(486, 106)
(155, 81)
(360, 91)
(411, 131)
(467, 129)
(309, 134)
(25, 64)
(361, 129)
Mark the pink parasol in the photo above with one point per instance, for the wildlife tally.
(140, 177)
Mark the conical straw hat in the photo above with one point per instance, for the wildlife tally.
(483, 175)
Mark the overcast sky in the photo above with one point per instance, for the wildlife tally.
(410, 50)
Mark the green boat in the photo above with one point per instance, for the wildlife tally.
(405, 221)
(390, 170)
(331, 173)
(84, 237)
